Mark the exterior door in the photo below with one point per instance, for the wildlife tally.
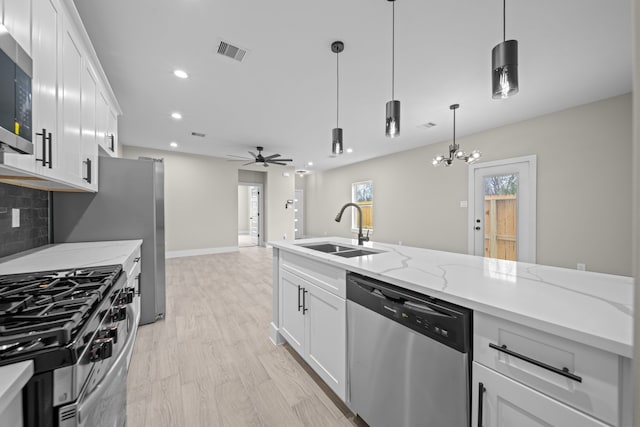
(502, 214)
(254, 215)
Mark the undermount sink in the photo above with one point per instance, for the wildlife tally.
(343, 251)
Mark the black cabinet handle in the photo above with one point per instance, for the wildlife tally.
(44, 147)
(113, 142)
(136, 259)
(299, 305)
(481, 390)
(50, 139)
(304, 301)
(88, 163)
(564, 371)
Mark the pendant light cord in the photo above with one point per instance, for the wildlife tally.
(454, 127)
(393, 49)
(504, 20)
(337, 88)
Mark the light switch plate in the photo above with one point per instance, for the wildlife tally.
(15, 218)
(463, 204)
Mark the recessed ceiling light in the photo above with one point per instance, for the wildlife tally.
(349, 150)
(176, 116)
(309, 163)
(174, 144)
(181, 74)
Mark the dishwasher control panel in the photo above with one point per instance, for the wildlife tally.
(442, 321)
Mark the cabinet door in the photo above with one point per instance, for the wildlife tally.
(507, 403)
(89, 143)
(325, 337)
(46, 23)
(70, 146)
(291, 310)
(17, 19)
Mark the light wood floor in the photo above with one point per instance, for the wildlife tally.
(211, 362)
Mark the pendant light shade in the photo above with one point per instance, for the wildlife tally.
(504, 64)
(454, 149)
(336, 133)
(392, 113)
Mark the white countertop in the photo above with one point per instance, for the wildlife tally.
(593, 308)
(69, 255)
(12, 379)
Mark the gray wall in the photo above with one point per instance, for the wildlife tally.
(201, 200)
(243, 209)
(584, 188)
(34, 219)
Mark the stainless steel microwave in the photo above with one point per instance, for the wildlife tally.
(16, 72)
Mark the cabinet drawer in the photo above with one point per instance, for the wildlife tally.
(325, 276)
(595, 387)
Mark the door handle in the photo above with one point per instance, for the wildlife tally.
(481, 391)
(304, 301)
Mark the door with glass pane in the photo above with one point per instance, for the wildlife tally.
(502, 211)
(254, 215)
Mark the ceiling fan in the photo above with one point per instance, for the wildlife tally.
(265, 160)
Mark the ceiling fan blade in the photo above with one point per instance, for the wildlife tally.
(254, 156)
(284, 160)
(239, 157)
(272, 156)
(277, 163)
(250, 163)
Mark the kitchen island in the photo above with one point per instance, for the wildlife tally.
(585, 317)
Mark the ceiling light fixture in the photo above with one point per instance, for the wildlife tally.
(504, 63)
(336, 133)
(176, 116)
(309, 163)
(174, 144)
(392, 123)
(349, 150)
(454, 149)
(181, 74)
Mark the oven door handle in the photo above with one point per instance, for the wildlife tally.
(87, 403)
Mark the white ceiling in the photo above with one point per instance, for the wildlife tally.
(283, 94)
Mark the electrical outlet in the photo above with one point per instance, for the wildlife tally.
(15, 218)
(582, 266)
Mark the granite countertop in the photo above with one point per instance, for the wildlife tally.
(69, 255)
(593, 308)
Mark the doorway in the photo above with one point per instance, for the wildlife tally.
(250, 221)
(502, 211)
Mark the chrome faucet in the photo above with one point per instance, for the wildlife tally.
(361, 237)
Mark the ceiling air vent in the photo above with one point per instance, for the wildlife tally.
(198, 134)
(231, 51)
(427, 125)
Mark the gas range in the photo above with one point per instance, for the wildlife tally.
(78, 326)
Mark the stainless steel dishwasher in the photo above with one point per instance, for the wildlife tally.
(408, 356)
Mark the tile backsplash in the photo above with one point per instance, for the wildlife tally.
(34, 219)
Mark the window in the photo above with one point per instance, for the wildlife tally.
(362, 195)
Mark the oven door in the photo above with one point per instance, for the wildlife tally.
(105, 405)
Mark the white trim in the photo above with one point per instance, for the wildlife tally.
(532, 161)
(204, 251)
(274, 335)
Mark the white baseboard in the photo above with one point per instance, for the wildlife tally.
(275, 336)
(196, 252)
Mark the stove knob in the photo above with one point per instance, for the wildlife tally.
(101, 349)
(118, 313)
(111, 332)
(128, 295)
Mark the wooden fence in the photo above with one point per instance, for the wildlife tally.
(500, 226)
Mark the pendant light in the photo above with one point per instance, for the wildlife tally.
(392, 123)
(336, 133)
(504, 63)
(454, 149)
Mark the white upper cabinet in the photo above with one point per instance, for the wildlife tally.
(74, 109)
(45, 25)
(89, 144)
(17, 19)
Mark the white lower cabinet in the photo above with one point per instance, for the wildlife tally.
(499, 401)
(313, 321)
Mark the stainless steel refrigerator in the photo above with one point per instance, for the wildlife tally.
(128, 205)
